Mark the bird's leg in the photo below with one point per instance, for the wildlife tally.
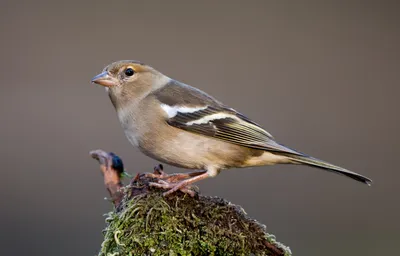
(176, 177)
(176, 181)
(171, 178)
(182, 185)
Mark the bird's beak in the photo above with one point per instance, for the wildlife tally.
(105, 79)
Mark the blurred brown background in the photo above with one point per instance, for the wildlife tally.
(322, 78)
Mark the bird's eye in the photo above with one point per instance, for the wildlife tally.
(129, 72)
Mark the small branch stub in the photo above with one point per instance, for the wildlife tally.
(111, 173)
(144, 222)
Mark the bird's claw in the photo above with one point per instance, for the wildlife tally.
(159, 169)
(158, 173)
(172, 187)
(172, 182)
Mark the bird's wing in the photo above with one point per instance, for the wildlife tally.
(194, 111)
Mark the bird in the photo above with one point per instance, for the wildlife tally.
(180, 125)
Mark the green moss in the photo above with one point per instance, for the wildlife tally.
(149, 224)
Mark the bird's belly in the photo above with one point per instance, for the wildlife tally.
(189, 154)
(192, 151)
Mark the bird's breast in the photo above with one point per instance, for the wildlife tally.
(129, 125)
(132, 137)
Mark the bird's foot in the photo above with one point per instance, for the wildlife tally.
(180, 181)
(174, 182)
(171, 178)
(190, 190)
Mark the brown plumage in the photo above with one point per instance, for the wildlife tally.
(185, 127)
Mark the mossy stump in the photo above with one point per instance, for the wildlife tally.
(144, 222)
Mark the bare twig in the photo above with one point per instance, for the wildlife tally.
(112, 176)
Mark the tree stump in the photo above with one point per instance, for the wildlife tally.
(143, 222)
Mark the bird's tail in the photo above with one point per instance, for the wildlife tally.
(307, 160)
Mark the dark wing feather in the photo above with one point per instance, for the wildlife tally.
(234, 127)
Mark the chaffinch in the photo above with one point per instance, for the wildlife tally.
(183, 126)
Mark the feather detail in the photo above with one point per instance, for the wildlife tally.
(192, 110)
(226, 124)
(172, 111)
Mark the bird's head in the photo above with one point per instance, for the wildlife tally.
(127, 80)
